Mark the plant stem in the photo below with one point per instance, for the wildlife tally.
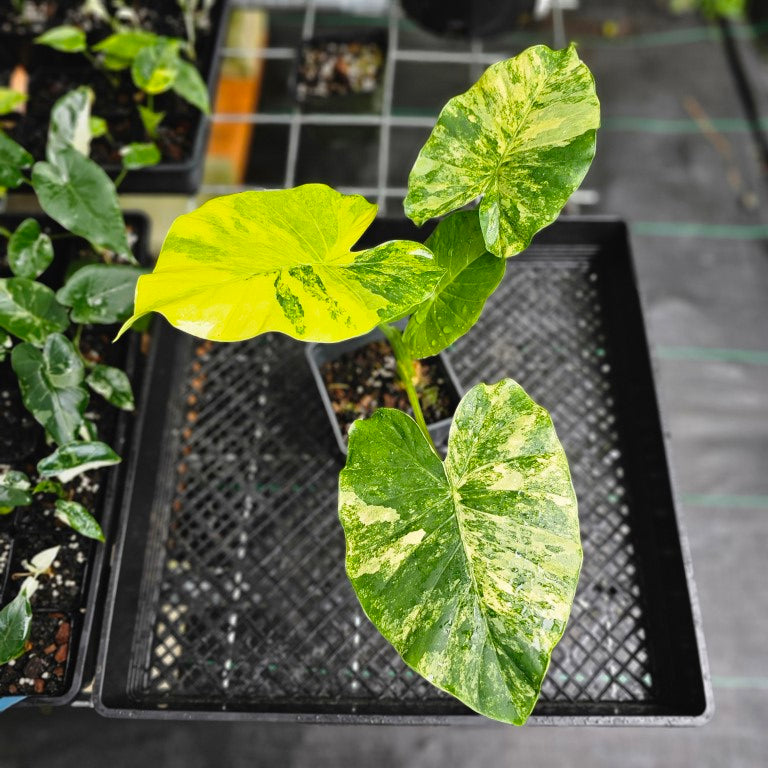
(405, 372)
(76, 344)
(5, 232)
(120, 177)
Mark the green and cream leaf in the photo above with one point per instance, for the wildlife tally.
(468, 566)
(77, 517)
(15, 623)
(100, 293)
(30, 250)
(113, 385)
(14, 491)
(70, 124)
(13, 160)
(72, 459)
(29, 310)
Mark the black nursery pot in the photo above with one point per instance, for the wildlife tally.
(468, 18)
(320, 354)
(65, 607)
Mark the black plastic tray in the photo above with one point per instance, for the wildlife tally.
(228, 597)
(84, 617)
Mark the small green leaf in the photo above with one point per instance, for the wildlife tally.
(51, 386)
(80, 196)
(14, 491)
(471, 276)
(13, 159)
(523, 137)
(72, 459)
(76, 516)
(15, 623)
(100, 293)
(66, 39)
(150, 120)
(50, 486)
(30, 251)
(70, 124)
(98, 126)
(190, 86)
(280, 260)
(29, 310)
(10, 99)
(137, 155)
(121, 49)
(468, 566)
(113, 385)
(156, 67)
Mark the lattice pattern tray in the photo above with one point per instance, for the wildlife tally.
(231, 596)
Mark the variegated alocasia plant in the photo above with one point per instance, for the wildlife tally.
(467, 565)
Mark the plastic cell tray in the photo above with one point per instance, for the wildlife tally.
(228, 596)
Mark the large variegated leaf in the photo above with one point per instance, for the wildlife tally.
(29, 310)
(281, 261)
(523, 137)
(468, 566)
(471, 276)
(70, 124)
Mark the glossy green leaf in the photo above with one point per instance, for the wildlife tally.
(15, 623)
(51, 386)
(66, 39)
(81, 197)
(100, 293)
(13, 160)
(76, 516)
(468, 566)
(191, 86)
(150, 120)
(471, 276)
(29, 310)
(113, 385)
(70, 124)
(253, 262)
(30, 250)
(119, 50)
(135, 156)
(10, 99)
(523, 137)
(14, 491)
(72, 459)
(98, 126)
(156, 66)
(50, 486)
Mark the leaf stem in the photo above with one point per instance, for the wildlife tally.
(405, 372)
(5, 232)
(120, 176)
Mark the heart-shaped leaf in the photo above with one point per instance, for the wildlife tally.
(74, 458)
(30, 250)
(120, 49)
(150, 120)
(13, 159)
(66, 39)
(523, 137)
(113, 385)
(98, 126)
(100, 293)
(253, 262)
(29, 310)
(14, 491)
(468, 566)
(10, 99)
(51, 385)
(471, 276)
(76, 516)
(70, 124)
(156, 67)
(15, 623)
(190, 86)
(82, 198)
(139, 155)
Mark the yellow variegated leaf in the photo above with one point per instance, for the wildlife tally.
(281, 260)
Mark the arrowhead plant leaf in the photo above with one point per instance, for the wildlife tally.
(468, 566)
(191, 86)
(77, 517)
(13, 159)
(10, 99)
(113, 385)
(139, 155)
(29, 310)
(523, 137)
(121, 48)
(100, 293)
(14, 491)
(66, 39)
(471, 276)
(15, 623)
(30, 250)
(72, 459)
(253, 262)
(156, 66)
(70, 124)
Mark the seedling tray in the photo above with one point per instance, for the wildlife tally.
(228, 597)
(76, 600)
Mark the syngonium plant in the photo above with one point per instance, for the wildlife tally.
(41, 328)
(467, 565)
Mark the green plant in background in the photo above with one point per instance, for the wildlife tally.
(467, 565)
(40, 329)
(711, 9)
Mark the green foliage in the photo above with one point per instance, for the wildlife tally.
(10, 99)
(190, 86)
(66, 39)
(150, 120)
(113, 385)
(15, 623)
(13, 160)
(14, 491)
(30, 250)
(29, 310)
(70, 124)
(155, 68)
(119, 50)
(72, 459)
(77, 517)
(100, 293)
(135, 156)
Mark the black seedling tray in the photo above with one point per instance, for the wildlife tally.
(80, 607)
(228, 597)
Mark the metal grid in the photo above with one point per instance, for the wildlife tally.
(384, 119)
(247, 604)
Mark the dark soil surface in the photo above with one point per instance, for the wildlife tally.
(365, 379)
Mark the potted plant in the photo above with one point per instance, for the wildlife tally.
(151, 67)
(468, 564)
(61, 278)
